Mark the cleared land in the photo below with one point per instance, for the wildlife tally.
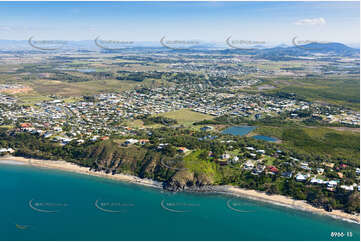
(186, 116)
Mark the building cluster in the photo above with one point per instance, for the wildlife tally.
(314, 173)
(103, 114)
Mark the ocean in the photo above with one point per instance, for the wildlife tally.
(44, 204)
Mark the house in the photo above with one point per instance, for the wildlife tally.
(258, 169)
(161, 146)
(131, 141)
(272, 169)
(294, 159)
(343, 166)
(104, 138)
(331, 184)
(300, 177)
(261, 151)
(48, 134)
(317, 181)
(143, 141)
(4, 150)
(347, 188)
(320, 170)
(305, 166)
(25, 125)
(182, 150)
(287, 174)
(225, 156)
(235, 159)
(94, 138)
(249, 148)
(358, 171)
(248, 165)
(58, 129)
(331, 165)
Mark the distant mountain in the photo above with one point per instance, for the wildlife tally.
(336, 48)
(280, 52)
(288, 53)
(283, 46)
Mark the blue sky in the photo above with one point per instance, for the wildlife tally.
(209, 21)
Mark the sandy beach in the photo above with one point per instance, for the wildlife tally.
(71, 167)
(286, 202)
(230, 190)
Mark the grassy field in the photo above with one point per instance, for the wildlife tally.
(199, 166)
(318, 141)
(44, 87)
(32, 98)
(185, 116)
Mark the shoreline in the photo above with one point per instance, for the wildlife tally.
(279, 200)
(71, 167)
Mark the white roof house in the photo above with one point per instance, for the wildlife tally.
(300, 177)
(347, 188)
(225, 156)
(332, 184)
(248, 165)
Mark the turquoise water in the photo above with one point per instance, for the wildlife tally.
(138, 213)
(238, 130)
(265, 138)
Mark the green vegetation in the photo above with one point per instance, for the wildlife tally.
(323, 142)
(197, 167)
(341, 91)
(199, 163)
(148, 120)
(160, 156)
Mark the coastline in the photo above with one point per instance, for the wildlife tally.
(228, 190)
(284, 201)
(71, 167)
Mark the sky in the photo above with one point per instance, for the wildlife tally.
(206, 21)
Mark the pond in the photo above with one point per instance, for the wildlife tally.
(265, 138)
(244, 130)
(239, 130)
(85, 70)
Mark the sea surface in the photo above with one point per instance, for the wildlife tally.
(45, 204)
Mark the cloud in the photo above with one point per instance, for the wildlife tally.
(311, 21)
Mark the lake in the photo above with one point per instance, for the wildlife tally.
(239, 130)
(85, 70)
(244, 130)
(44, 204)
(265, 138)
